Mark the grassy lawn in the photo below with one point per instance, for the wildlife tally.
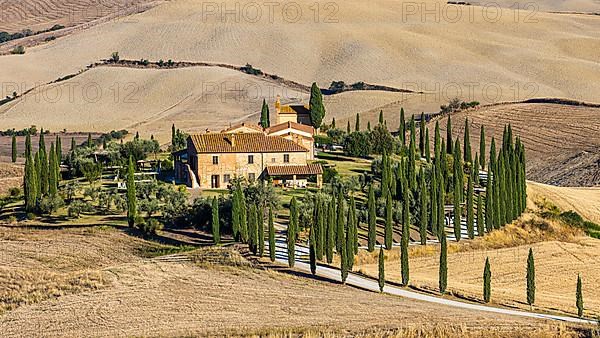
(345, 166)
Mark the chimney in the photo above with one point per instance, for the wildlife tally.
(232, 140)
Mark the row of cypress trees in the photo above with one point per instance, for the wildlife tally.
(42, 171)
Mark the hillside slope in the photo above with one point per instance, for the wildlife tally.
(376, 42)
(562, 141)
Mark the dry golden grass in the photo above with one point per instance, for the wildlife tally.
(585, 201)
(218, 292)
(562, 141)
(11, 176)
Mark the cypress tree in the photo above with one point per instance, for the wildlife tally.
(343, 254)
(475, 170)
(30, 185)
(291, 233)
(404, 243)
(333, 123)
(348, 127)
(253, 229)
(320, 234)
(27, 145)
(340, 222)
(58, 155)
(104, 145)
(372, 219)
(427, 150)
(530, 278)
(380, 117)
(482, 147)
(235, 213)
(264, 115)
(43, 160)
(38, 174)
(330, 231)
(172, 136)
(579, 296)
(433, 200)
(354, 224)
(369, 125)
(441, 193)
(480, 221)
(52, 174)
(467, 144)
(381, 270)
(357, 123)
(437, 142)
(261, 231)
(350, 244)
(457, 192)
(312, 251)
(489, 206)
(216, 231)
(14, 149)
(422, 135)
(385, 174)
(402, 130)
(388, 221)
(412, 166)
(73, 144)
(443, 271)
(487, 281)
(90, 143)
(272, 246)
(131, 196)
(243, 216)
(449, 136)
(424, 208)
(470, 215)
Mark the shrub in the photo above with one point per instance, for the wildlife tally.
(30, 216)
(11, 220)
(114, 57)
(18, 50)
(50, 204)
(14, 192)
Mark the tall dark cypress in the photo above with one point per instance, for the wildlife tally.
(354, 223)
(27, 145)
(30, 185)
(480, 221)
(264, 115)
(468, 155)
(235, 214)
(475, 170)
(427, 150)
(530, 278)
(489, 206)
(291, 233)
(433, 201)
(412, 165)
(58, 149)
(14, 149)
(321, 229)
(482, 147)
(253, 229)
(579, 297)
(449, 136)
(381, 270)
(244, 231)
(441, 194)
(44, 172)
(131, 195)
(388, 222)
(261, 230)
(343, 254)
(312, 251)
(422, 135)
(470, 215)
(423, 207)
(73, 144)
(357, 123)
(372, 219)
(487, 281)
(402, 130)
(350, 240)
(330, 231)
(52, 174)
(216, 227)
(443, 267)
(457, 191)
(272, 246)
(404, 243)
(340, 223)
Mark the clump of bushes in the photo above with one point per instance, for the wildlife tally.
(18, 50)
(248, 69)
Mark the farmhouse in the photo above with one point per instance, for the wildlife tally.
(292, 113)
(211, 160)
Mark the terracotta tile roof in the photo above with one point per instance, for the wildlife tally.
(241, 125)
(292, 125)
(243, 143)
(294, 109)
(288, 170)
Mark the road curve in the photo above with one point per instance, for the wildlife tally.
(372, 285)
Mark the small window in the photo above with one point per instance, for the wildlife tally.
(251, 177)
(226, 178)
(272, 159)
(215, 159)
(250, 159)
(286, 158)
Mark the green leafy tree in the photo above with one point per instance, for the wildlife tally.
(216, 231)
(443, 270)
(264, 115)
(381, 270)
(530, 278)
(14, 149)
(272, 246)
(372, 215)
(131, 195)
(579, 296)
(317, 109)
(487, 281)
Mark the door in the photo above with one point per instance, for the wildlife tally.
(214, 181)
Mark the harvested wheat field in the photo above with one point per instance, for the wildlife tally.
(562, 142)
(585, 201)
(557, 264)
(101, 275)
(11, 176)
(375, 42)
